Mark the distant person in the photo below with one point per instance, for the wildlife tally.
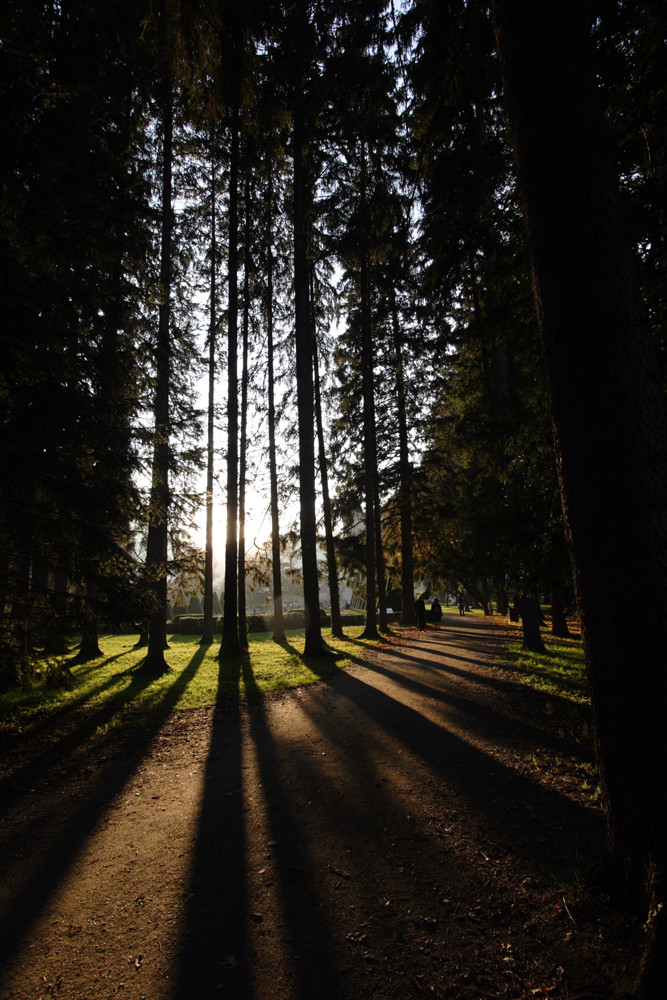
(436, 610)
(460, 600)
(420, 609)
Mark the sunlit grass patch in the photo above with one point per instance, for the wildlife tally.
(560, 671)
(112, 692)
(196, 679)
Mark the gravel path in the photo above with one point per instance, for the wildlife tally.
(412, 827)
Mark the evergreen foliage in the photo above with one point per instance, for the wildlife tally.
(321, 199)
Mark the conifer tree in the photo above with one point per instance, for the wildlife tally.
(590, 308)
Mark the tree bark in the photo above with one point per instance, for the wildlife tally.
(559, 626)
(207, 633)
(229, 645)
(243, 631)
(610, 426)
(332, 568)
(278, 625)
(502, 604)
(379, 555)
(156, 544)
(408, 616)
(370, 451)
(529, 611)
(304, 384)
(89, 649)
(371, 629)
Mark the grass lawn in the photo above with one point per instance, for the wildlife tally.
(111, 691)
(558, 681)
(560, 671)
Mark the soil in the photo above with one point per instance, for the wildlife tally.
(414, 826)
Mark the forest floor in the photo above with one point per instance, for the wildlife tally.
(415, 826)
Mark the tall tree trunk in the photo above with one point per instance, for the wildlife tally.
(370, 457)
(529, 611)
(370, 451)
(379, 555)
(304, 386)
(230, 633)
(207, 633)
(559, 626)
(408, 616)
(156, 544)
(332, 568)
(243, 631)
(502, 604)
(610, 426)
(278, 626)
(89, 648)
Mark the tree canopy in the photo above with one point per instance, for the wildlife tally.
(338, 212)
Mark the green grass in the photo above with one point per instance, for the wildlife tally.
(560, 695)
(112, 691)
(560, 671)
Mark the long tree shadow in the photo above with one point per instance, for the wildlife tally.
(543, 706)
(212, 959)
(500, 795)
(323, 666)
(38, 878)
(563, 723)
(35, 754)
(316, 973)
(536, 720)
(215, 938)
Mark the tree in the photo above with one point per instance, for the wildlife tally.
(609, 421)
(72, 245)
(302, 193)
(157, 539)
(230, 636)
(243, 462)
(278, 626)
(207, 635)
(332, 568)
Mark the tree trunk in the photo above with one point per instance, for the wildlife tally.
(610, 426)
(243, 630)
(304, 385)
(332, 568)
(230, 633)
(379, 555)
(370, 453)
(89, 649)
(559, 626)
(408, 616)
(502, 604)
(142, 641)
(207, 633)
(156, 544)
(278, 625)
(371, 629)
(529, 611)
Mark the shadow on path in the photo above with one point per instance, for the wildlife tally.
(78, 816)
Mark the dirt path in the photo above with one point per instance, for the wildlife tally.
(413, 827)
